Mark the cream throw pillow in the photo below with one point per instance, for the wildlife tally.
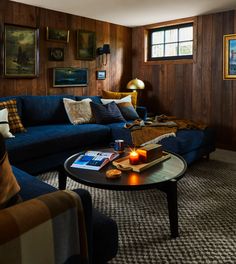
(126, 99)
(79, 112)
(4, 124)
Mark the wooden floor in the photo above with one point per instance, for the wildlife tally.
(224, 155)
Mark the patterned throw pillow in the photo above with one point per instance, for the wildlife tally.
(9, 187)
(13, 116)
(128, 111)
(119, 95)
(4, 125)
(79, 112)
(108, 113)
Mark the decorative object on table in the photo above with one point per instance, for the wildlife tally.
(93, 160)
(103, 52)
(56, 54)
(69, 77)
(118, 145)
(229, 57)
(113, 174)
(59, 35)
(21, 58)
(86, 45)
(119, 95)
(134, 157)
(124, 163)
(100, 75)
(149, 152)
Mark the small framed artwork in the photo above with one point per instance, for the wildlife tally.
(56, 54)
(100, 75)
(21, 53)
(229, 57)
(86, 45)
(59, 35)
(70, 77)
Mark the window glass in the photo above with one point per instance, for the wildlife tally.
(185, 33)
(171, 49)
(158, 37)
(185, 48)
(171, 35)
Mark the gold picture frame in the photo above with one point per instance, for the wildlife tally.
(229, 57)
(86, 45)
(59, 35)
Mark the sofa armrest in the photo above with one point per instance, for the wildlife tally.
(46, 229)
(142, 112)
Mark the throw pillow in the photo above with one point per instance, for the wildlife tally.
(118, 95)
(79, 112)
(9, 187)
(117, 101)
(108, 113)
(128, 111)
(4, 125)
(13, 116)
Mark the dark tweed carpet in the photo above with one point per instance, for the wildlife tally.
(207, 218)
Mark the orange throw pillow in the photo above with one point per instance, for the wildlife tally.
(119, 95)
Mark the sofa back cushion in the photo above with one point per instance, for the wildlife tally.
(39, 110)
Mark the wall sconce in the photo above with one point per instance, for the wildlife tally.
(102, 52)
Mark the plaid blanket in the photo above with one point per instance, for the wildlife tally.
(45, 230)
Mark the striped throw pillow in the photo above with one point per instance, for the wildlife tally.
(13, 116)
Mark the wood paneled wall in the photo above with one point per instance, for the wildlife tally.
(193, 90)
(119, 67)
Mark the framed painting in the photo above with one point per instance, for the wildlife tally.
(59, 35)
(86, 45)
(56, 54)
(229, 57)
(70, 77)
(100, 75)
(21, 54)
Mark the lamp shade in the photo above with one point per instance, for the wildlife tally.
(135, 84)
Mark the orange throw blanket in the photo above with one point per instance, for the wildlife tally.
(162, 127)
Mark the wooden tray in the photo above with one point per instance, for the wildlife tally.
(123, 163)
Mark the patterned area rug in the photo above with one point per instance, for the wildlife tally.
(207, 218)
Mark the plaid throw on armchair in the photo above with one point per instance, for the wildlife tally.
(47, 229)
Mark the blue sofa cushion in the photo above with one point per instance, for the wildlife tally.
(41, 110)
(108, 113)
(40, 141)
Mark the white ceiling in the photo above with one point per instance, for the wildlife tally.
(135, 12)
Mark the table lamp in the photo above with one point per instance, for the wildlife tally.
(135, 84)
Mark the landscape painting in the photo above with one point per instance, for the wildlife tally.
(20, 52)
(70, 76)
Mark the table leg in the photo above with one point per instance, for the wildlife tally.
(171, 192)
(62, 178)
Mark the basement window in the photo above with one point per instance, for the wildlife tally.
(171, 42)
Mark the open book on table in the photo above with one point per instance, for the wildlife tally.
(93, 160)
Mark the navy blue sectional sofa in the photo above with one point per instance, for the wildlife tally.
(51, 138)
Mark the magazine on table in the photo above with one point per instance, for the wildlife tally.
(93, 160)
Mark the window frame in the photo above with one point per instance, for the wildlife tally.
(164, 28)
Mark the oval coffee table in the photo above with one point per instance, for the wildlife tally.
(163, 176)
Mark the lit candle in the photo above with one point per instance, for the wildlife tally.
(133, 158)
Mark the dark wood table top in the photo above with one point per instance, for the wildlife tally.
(172, 168)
